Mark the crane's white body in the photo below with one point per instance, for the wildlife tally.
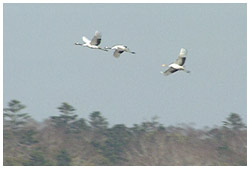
(94, 43)
(91, 46)
(178, 64)
(119, 49)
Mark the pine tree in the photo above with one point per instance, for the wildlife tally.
(79, 125)
(98, 122)
(13, 119)
(234, 121)
(117, 138)
(66, 117)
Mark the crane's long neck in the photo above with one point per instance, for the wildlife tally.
(107, 47)
(104, 49)
(78, 43)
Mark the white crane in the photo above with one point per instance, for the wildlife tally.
(178, 64)
(119, 49)
(93, 44)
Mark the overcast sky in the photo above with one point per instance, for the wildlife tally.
(43, 67)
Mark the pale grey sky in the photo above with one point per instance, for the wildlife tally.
(43, 67)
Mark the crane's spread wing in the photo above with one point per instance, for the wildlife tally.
(96, 39)
(182, 57)
(180, 61)
(85, 40)
(169, 71)
(117, 53)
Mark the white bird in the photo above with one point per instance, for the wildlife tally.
(119, 49)
(93, 44)
(178, 64)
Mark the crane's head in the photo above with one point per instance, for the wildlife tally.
(78, 43)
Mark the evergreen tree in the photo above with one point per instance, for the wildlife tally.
(79, 125)
(117, 138)
(98, 122)
(27, 136)
(234, 121)
(12, 117)
(66, 117)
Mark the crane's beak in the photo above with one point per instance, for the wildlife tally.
(163, 65)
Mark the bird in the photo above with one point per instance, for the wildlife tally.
(94, 43)
(178, 64)
(119, 49)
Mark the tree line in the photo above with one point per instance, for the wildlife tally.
(69, 140)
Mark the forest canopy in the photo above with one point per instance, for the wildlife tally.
(69, 140)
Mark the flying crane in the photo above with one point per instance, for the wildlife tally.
(94, 43)
(178, 64)
(119, 49)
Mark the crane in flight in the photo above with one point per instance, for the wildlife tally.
(178, 64)
(119, 49)
(94, 43)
